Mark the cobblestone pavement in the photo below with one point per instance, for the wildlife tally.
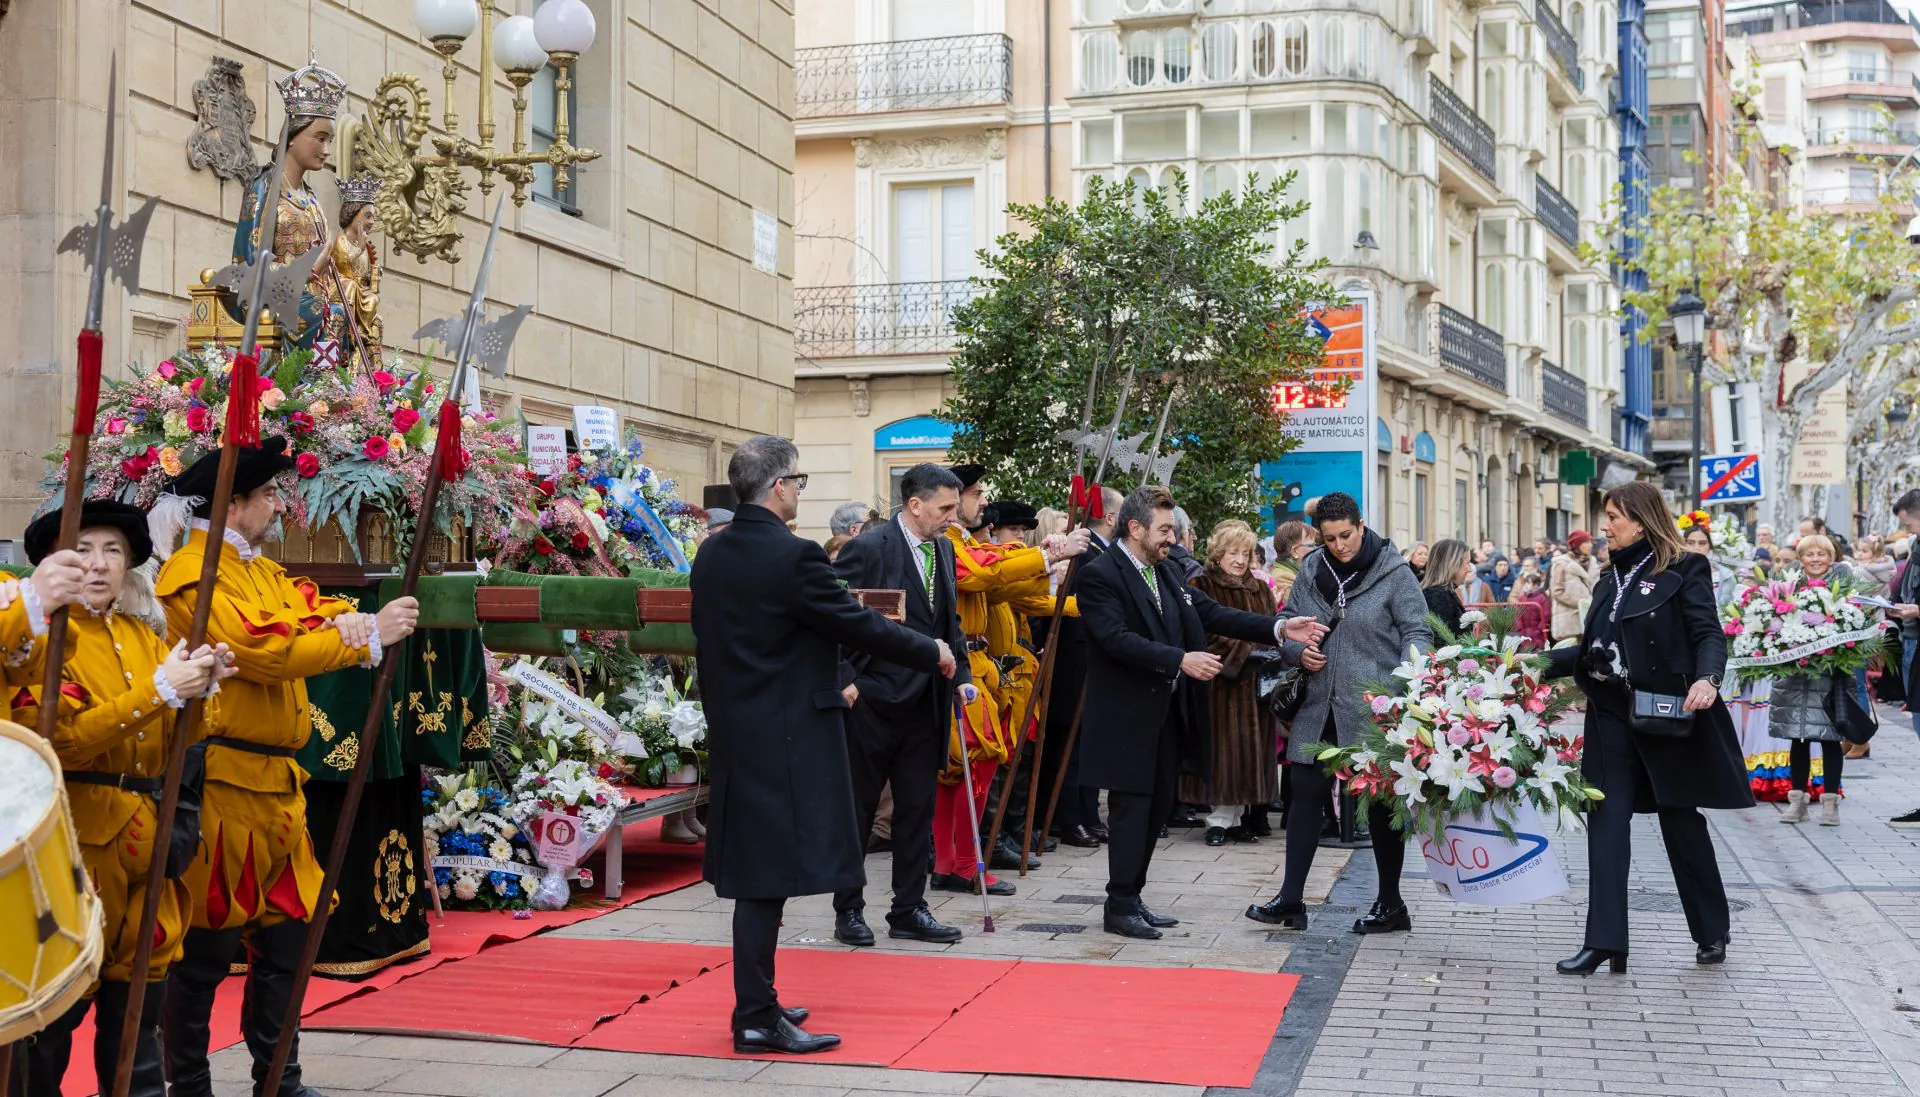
(1820, 994)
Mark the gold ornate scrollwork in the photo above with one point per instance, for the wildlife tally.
(421, 197)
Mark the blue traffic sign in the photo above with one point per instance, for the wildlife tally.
(1731, 478)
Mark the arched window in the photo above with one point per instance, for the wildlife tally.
(1526, 304)
(1493, 311)
(1218, 179)
(1334, 239)
(1334, 43)
(1493, 99)
(1220, 48)
(1099, 61)
(1170, 185)
(1176, 54)
(1296, 47)
(1366, 196)
(1265, 50)
(1140, 58)
(1142, 182)
(1575, 177)
(1577, 348)
(1577, 25)
(1363, 50)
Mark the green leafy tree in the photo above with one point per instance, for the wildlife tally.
(1195, 306)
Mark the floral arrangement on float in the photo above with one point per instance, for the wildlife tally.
(607, 514)
(1471, 752)
(672, 728)
(481, 858)
(1795, 626)
(361, 441)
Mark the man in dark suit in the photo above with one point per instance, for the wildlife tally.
(898, 726)
(1146, 715)
(769, 620)
(1076, 818)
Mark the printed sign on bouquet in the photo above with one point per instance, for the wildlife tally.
(559, 841)
(1473, 862)
(577, 708)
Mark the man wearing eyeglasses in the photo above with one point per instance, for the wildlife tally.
(769, 623)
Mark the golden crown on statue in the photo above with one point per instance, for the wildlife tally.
(312, 92)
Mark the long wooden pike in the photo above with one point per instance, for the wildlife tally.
(261, 285)
(108, 249)
(479, 340)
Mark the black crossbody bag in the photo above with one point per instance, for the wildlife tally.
(1660, 715)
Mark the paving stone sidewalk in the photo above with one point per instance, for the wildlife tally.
(1819, 993)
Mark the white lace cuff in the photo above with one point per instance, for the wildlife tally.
(373, 649)
(36, 612)
(165, 689)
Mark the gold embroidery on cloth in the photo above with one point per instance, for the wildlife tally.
(321, 724)
(394, 878)
(478, 736)
(346, 755)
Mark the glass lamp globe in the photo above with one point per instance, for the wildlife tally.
(446, 19)
(515, 49)
(564, 26)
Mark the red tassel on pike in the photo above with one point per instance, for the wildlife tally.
(243, 401)
(446, 447)
(86, 398)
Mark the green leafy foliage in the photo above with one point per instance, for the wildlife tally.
(1196, 305)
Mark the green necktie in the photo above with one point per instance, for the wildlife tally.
(926, 568)
(1153, 585)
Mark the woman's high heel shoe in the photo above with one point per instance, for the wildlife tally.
(1276, 912)
(1588, 960)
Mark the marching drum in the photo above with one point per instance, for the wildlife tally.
(50, 920)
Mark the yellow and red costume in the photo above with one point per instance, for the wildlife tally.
(256, 864)
(23, 653)
(114, 722)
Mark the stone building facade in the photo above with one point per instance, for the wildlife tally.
(642, 276)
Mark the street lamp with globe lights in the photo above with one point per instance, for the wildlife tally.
(1689, 315)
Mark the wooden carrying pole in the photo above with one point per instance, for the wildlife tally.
(446, 462)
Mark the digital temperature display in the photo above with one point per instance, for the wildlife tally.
(1299, 395)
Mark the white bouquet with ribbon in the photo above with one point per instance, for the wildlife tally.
(1798, 626)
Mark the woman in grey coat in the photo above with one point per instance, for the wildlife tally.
(1359, 586)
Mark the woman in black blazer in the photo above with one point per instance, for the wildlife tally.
(1653, 623)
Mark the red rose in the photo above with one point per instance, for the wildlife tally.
(138, 465)
(307, 465)
(404, 419)
(199, 419)
(383, 379)
(543, 546)
(376, 447)
(301, 420)
(193, 386)
(547, 488)
(580, 540)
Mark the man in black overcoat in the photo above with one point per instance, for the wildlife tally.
(1147, 717)
(897, 729)
(769, 620)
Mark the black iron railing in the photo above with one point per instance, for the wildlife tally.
(1559, 43)
(897, 318)
(1472, 349)
(1460, 128)
(971, 70)
(1556, 212)
(1563, 395)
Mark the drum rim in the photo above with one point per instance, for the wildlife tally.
(57, 809)
(72, 984)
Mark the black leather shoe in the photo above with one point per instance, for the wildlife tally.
(1079, 837)
(1006, 855)
(919, 925)
(1712, 953)
(1187, 819)
(1101, 834)
(1257, 823)
(784, 1038)
(994, 887)
(1163, 833)
(1588, 960)
(850, 928)
(876, 844)
(796, 1015)
(1397, 920)
(1277, 912)
(1048, 844)
(955, 882)
(1156, 919)
(1242, 834)
(1131, 924)
(1216, 836)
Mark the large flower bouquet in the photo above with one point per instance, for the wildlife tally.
(672, 728)
(1798, 626)
(607, 514)
(360, 440)
(557, 764)
(1471, 725)
(466, 823)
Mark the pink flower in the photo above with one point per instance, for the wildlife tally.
(116, 426)
(167, 369)
(199, 419)
(383, 379)
(1731, 628)
(1469, 666)
(376, 447)
(307, 465)
(1459, 737)
(404, 419)
(1504, 776)
(193, 386)
(1382, 705)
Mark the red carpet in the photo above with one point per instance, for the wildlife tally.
(1213, 1026)
(652, 867)
(547, 990)
(918, 1012)
(881, 1003)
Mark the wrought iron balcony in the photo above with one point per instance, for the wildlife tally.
(1563, 395)
(1556, 212)
(1463, 131)
(1472, 349)
(893, 318)
(1559, 43)
(970, 70)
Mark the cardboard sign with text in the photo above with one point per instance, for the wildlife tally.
(547, 450)
(559, 841)
(1476, 864)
